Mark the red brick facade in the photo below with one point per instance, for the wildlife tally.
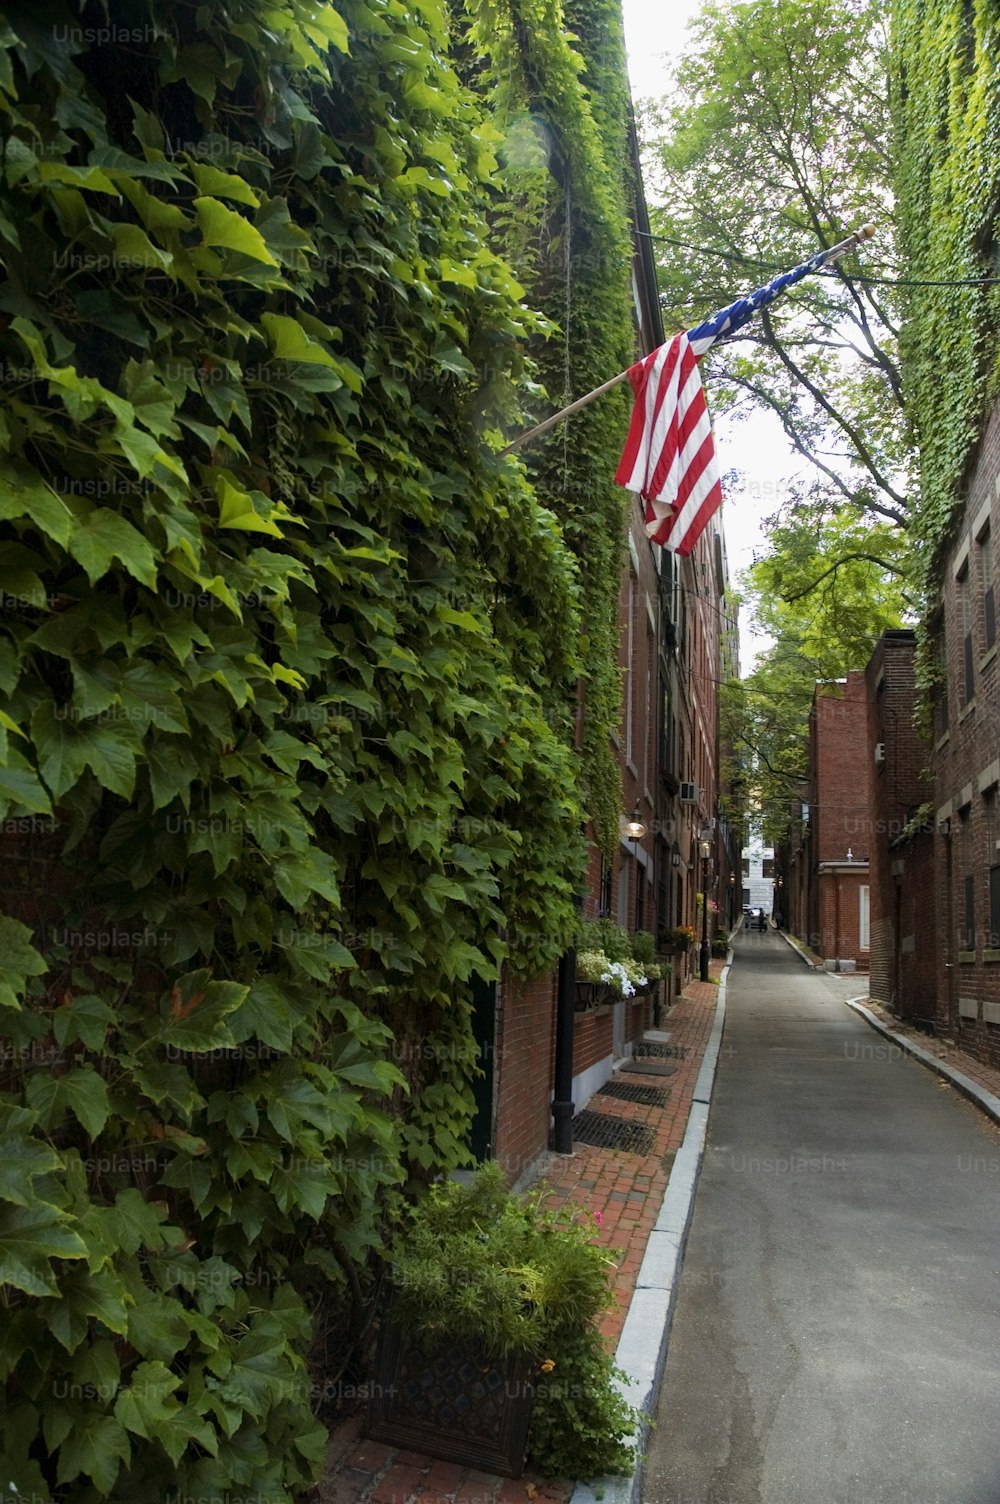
(523, 1074)
(827, 885)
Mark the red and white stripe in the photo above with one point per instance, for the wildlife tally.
(669, 455)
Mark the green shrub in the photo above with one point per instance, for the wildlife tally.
(644, 947)
(479, 1263)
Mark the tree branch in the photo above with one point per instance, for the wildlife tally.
(838, 564)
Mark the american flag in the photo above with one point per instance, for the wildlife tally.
(669, 455)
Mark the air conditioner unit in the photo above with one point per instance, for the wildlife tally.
(880, 751)
(689, 793)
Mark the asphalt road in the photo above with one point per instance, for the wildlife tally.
(836, 1338)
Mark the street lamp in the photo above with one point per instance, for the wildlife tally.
(705, 849)
(635, 830)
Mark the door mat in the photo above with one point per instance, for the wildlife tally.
(649, 1096)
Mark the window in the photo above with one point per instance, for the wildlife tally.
(604, 901)
(986, 575)
(864, 917)
(993, 858)
(640, 897)
(967, 934)
(965, 625)
(767, 867)
(623, 894)
(969, 939)
(746, 866)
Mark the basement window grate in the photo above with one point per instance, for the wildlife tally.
(602, 1131)
(649, 1096)
(651, 1050)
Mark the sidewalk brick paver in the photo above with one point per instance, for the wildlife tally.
(623, 1193)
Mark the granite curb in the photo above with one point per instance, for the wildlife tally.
(642, 1347)
(986, 1100)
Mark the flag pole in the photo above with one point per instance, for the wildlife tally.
(840, 249)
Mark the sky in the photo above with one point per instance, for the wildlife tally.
(655, 34)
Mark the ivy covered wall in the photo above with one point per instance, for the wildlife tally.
(557, 86)
(288, 663)
(946, 111)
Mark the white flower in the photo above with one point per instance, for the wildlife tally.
(618, 977)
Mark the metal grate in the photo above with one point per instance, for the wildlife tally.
(649, 1096)
(603, 1131)
(650, 1049)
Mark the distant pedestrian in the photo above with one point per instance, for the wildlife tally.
(761, 921)
(779, 920)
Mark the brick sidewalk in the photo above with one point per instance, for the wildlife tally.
(623, 1193)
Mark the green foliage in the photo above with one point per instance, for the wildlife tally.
(828, 588)
(561, 215)
(946, 115)
(775, 142)
(286, 671)
(478, 1263)
(604, 935)
(644, 946)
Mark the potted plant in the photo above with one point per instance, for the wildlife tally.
(492, 1350)
(681, 938)
(593, 985)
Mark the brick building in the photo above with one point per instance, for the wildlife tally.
(901, 836)
(826, 887)
(966, 763)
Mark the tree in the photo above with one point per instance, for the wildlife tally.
(774, 143)
(825, 596)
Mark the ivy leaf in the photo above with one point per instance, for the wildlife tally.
(304, 1186)
(104, 537)
(25, 494)
(149, 1399)
(223, 227)
(236, 510)
(98, 1447)
(29, 1237)
(84, 1018)
(83, 1295)
(265, 1015)
(289, 341)
(81, 1091)
(198, 1010)
(21, 1156)
(65, 751)
(20, 788)
(212, 180)
(134, 1222)
(20, 960)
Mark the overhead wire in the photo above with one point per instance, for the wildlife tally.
(774, 266)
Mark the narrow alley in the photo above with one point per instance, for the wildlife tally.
(836, 1337)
